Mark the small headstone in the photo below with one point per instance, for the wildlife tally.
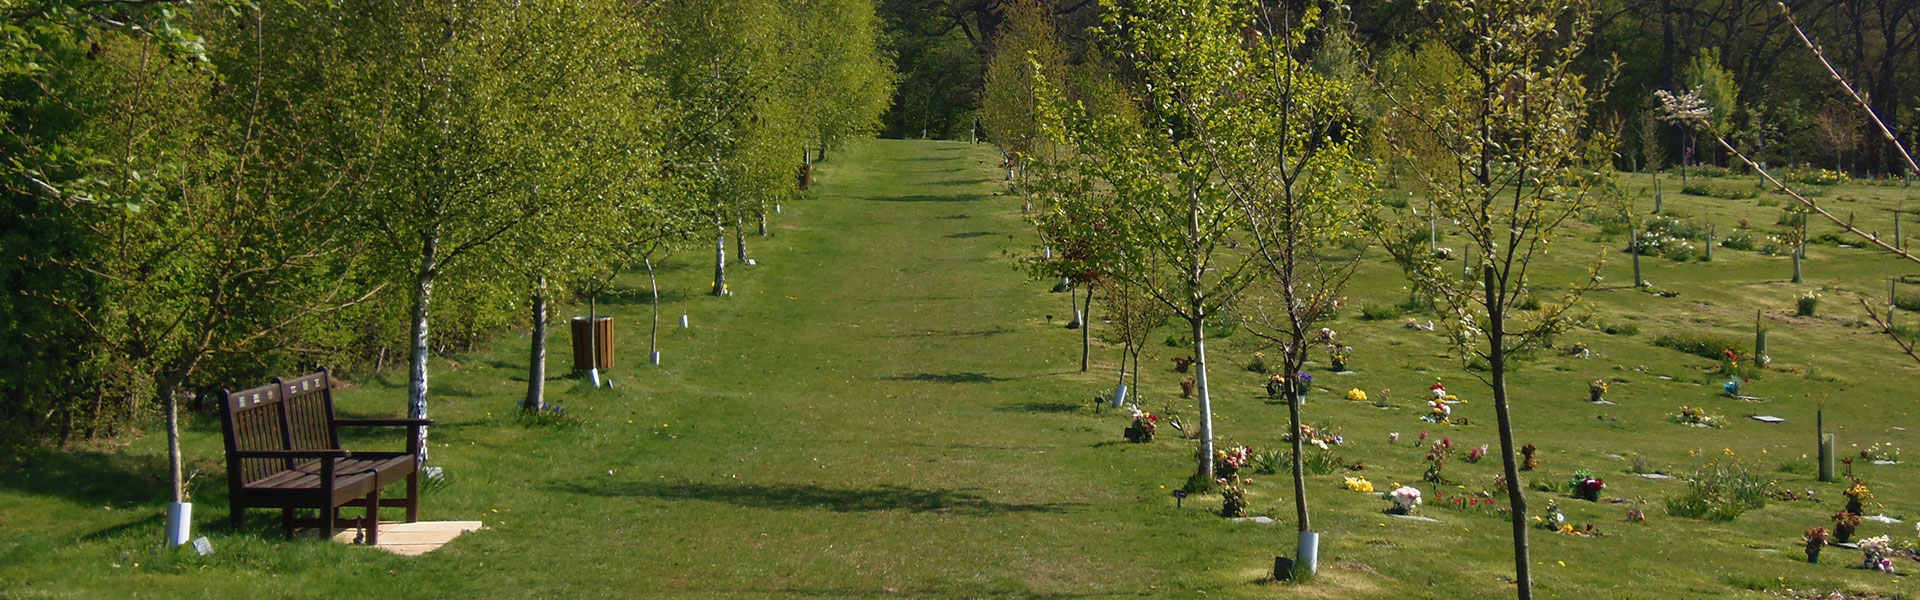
(1346, 373)
(1875, 518)
(750, 262)
(1655, 476)
(1885, 462)
(1262, 520)
(202, 546)
(1768, 419)
(1603, 402)
(1415, 518)
(1666, 378)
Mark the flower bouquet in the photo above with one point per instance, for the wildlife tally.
(1815, 539)
(1233, 498)
(1586, 486)
(1597, 390)
(1357, 395)
(1405, 499)
(1439, 391)
(1527, 461)
(1878, 551)
(1843, 525)
(1857, 494)
(1553, 520)
(1227, 463)
(1141, 431)
(1440, 412)
(1338, 355)
(1696, 416)
(1359, 485)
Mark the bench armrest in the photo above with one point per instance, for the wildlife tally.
(383, 422)
(292, 454)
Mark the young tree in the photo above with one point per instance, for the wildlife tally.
(1028, 45)
(1517, 131)
(428, 96)
(1289, 158)
(1147, 174)
(841, 78)
(1804, 205)
(600, 112)
(738, 120)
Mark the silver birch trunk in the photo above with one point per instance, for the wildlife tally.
(739, 240)
(1200, 383)
(720, 262)
(653, 335)
(417, 367)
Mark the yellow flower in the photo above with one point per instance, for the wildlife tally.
(1356, 395)
(1729, 451)
(1565, 529)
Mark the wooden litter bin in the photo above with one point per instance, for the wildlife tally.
(592, 343)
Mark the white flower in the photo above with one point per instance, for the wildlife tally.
(1405, 497)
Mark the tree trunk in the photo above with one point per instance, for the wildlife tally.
(1293, 418)
(739, 240)
(720, 261)
(417, 366)
(822, 157)
(1497, 359)
(1200, 384)
(1086, 330)
(173, 443)
(1633, 245)
(763, 222)
(653, 335)
(537, 357)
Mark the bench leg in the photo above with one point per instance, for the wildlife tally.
(371, 526)
(327, 517)
(413, 497)
(237, 512)
(286, 521)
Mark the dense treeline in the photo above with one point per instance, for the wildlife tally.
(1780, 105)
(203, 195)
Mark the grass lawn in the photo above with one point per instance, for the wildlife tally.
(886, 407)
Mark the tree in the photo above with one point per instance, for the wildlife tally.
(1146, 174)
(738, 121)
(1518, 133)
(1837, 128)
(1289, 157)
(842, 80)
(427, 95)
(585, 88)
(1028, 46)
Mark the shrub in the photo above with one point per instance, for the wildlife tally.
(1620, 329)
(1713, 190)
(1814, 177)
(1379, 312)
(1907, 302)
(1704, 345)
(1721, 492)
(1806, 304)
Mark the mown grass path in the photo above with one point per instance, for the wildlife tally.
(885, 408)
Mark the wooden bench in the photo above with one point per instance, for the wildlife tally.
(283, 451)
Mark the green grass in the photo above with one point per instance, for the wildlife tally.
(884, 409)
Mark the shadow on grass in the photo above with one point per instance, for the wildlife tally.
(954, 333)
(1040, 407)
(631, 296)
(90, 478)
(970, 234)
(930, 198)
(967, 377)
(799, 497)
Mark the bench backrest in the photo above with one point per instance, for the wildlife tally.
(283, 415)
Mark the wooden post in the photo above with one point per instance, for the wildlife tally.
(1759, 336)
(1709, 243)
